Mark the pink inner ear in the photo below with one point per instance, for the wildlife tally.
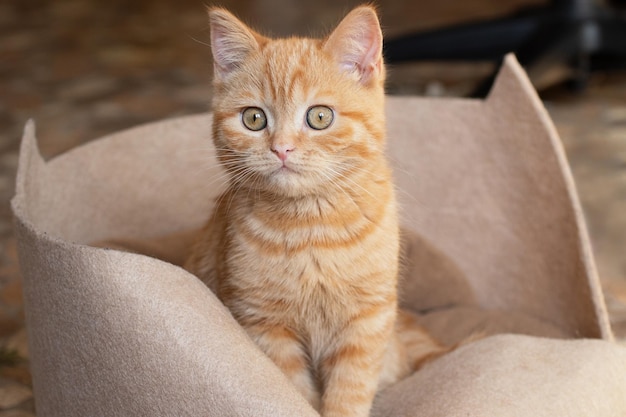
(219, 47)
(372, 57)
(231, 42)
(357, 44)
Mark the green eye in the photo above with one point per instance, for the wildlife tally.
(319, 117)
(254, 118)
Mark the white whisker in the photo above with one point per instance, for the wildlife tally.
(200, 42)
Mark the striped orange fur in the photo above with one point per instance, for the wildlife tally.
(303, 246)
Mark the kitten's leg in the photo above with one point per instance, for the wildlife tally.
(395, 363)
(411, 348)
(419, 345)
(284, 349)
(350, 370)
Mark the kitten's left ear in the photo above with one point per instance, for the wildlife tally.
(357, 44)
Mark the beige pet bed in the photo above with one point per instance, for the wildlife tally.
(494, 241)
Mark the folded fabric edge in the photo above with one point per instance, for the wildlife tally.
(511, 69)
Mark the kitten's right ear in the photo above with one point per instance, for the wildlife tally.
(231, 41)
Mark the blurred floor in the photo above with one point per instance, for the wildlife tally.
(84, 68)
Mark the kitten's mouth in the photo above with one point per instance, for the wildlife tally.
(284, 175)
(286, 169)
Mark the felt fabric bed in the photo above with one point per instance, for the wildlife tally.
(494, 241)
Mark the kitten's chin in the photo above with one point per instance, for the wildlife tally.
(288, 181)
(284, 177)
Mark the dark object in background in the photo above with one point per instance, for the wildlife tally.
(617, 3)
(580, 35)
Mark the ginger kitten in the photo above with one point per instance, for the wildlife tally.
(303, 245)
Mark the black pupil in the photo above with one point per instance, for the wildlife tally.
(320, 115)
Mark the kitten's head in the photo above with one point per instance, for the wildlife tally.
(296, 115)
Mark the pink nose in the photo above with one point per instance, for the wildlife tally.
(282, 150)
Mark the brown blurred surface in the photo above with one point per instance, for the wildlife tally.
(84, 68)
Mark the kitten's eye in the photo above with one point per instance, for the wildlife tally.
(254, 118)
(319, 117)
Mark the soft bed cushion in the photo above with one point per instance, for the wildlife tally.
(493, 241)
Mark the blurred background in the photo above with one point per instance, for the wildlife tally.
(86, 68)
